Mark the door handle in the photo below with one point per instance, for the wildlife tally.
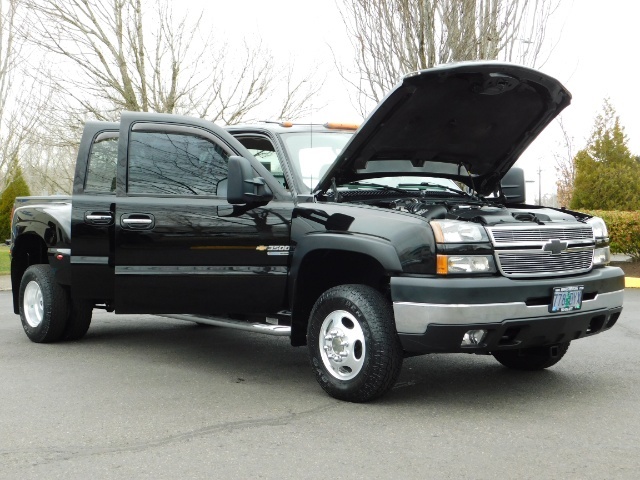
(137, 221)
(98, 218)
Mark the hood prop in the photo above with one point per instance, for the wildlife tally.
(334, 187)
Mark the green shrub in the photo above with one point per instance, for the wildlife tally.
(624, 231)
(16, 187)
(5, 260)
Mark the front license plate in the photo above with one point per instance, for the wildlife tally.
(566, 299)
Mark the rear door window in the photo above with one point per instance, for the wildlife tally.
(101, 169)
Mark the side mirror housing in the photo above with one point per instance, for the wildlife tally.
(513, 186)
(243, 186)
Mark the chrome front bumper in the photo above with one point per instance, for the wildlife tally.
(414, 318)
(420, 301)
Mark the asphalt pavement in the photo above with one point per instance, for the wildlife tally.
(147, 397)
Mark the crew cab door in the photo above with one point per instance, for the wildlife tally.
(92, 217)
(180, 247)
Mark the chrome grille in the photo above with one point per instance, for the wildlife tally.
(525, 251)
(520, 235)
(523, 264)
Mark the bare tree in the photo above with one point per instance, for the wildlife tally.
(565, 168)
(95, 58)
(7, 55)
(395, 37)
(21, 98)
(9, 60)
(249, 81)
(49, 168)
(123, 55)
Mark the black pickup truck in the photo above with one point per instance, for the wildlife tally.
(409, 236)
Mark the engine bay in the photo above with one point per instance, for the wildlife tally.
(484, 213)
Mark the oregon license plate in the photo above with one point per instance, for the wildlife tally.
(566, 299)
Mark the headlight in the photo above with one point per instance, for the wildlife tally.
(602, 253)
(454, 231)
(599, 228)
(602, 256)
(452, 264)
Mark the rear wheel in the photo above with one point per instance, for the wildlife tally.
(536, 358)
(43, 305)
(79, 319)
(353, 346)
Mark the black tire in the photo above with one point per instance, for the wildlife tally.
(536, 358)
(43, 305)
(371, 359)
(79, 319)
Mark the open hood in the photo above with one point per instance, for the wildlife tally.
(466, 121)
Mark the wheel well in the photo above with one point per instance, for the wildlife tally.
(28, 250)
(322, 269)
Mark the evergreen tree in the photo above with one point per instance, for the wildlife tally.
(607, 175)
(15, 187)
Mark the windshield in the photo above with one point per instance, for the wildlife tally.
(312, 153)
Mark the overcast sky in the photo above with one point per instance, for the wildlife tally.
(595, 56)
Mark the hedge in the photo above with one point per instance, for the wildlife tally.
(624, 231)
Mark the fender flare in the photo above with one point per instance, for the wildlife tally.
(379, 249)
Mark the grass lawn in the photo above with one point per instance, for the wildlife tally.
(4, 260)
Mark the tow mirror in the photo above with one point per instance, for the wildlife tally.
(243, 186)
(513, 186)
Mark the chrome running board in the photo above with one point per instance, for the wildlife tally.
(266, 328)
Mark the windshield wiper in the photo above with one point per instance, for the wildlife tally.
(437, 185)
(386, 188)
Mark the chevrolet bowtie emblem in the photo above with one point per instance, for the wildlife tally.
(555, 246)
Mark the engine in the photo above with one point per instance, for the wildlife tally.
(486, 214)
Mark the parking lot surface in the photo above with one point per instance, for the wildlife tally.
(146, 397)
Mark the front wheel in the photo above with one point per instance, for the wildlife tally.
(43, 305)
(536, 358)
(354, 350)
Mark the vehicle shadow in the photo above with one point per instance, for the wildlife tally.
(201, 348)
(455, 380)
(480, 383)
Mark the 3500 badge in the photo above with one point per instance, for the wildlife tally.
(274, 249)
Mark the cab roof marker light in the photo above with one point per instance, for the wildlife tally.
(341, 126)
(328, 125)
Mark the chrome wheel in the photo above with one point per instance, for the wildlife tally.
(33, 304)
(354, 350)
(342, 345)
(44, 304)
